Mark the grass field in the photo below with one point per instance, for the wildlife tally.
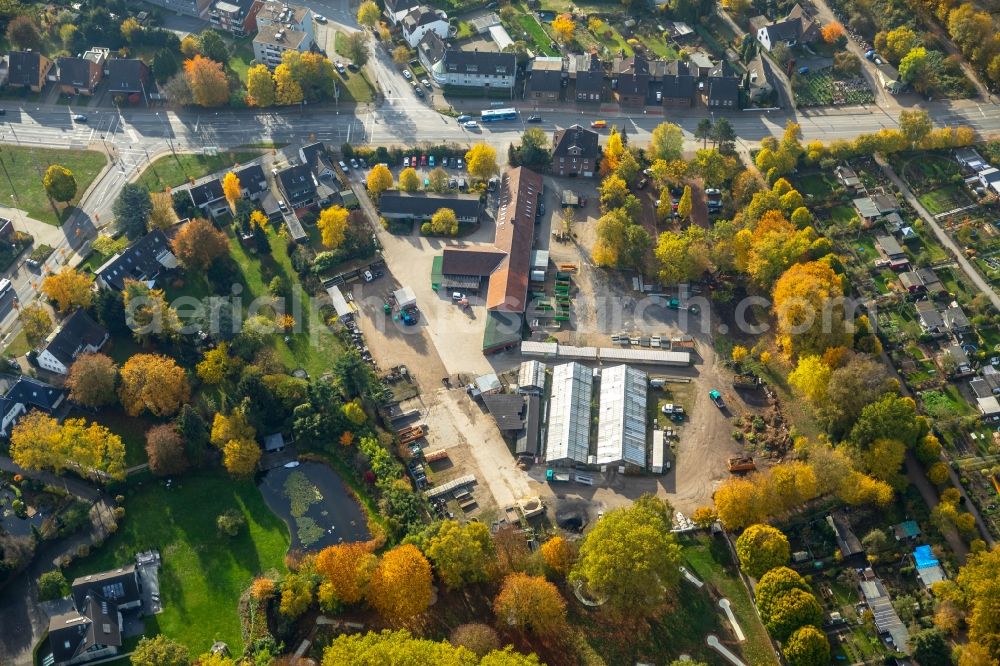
(531, 31)
(241, 57)
(203, 573)
(943, 199)
(355, 87)
(817, 185)
(23, 170)
(18, 346)
(173, 170)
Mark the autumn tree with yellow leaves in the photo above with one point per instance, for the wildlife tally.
(333, 226)
(481, 161)
(69, 288)
(92, 380)
(154, 383)
(531, 603)
(346, 569)
(207, 81)
(564, 26)
(198, 243)
(400, 587)
(231, 189)
(39, 442)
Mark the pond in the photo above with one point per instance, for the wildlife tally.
(315, 504)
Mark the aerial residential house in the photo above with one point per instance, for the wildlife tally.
(930, 319)
(701, 64)
(143, 260)
(885, 203)
(886, 619)
(760, 78)
(208, 196)
(474, 69)
(129, 77)
(575, 152)
(568, 432)
(678, 85)
(890, 249)
(797, 28)
(630, 81)
(279, 14)
(723, 88)
(420, 20)
(929, 570)
(970, 159)
(587, 74)
(27, 394)
(80, 76)
(959, 357)
(544, 80)
(94, 628)
(621, 423)
(421, 206)
(196, 8)
(315, 155)
(253, 182)
(27, 69)
(237, 17)
(955, 319)
(990, 179)
(78, 334)
(848, 177)
(396, 10)
(922, 280)
(297, 186)
(271, 42)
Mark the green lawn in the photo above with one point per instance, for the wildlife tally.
(340, 44)
(241, 58)
(709, 560)
(18, 346)
(613, 40)
(842, 215)
(818, 185)
(173, 170)
(203, 573)
(531, 31)
(943, 199)
(314, 347)
(355, 87)
(23, 169)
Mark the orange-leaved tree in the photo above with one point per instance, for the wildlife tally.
(346, 570)
(198, 243)
(69, 288)
(153, 382)
(400, 588)
(207, 81)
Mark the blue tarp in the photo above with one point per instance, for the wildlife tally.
(924, 557)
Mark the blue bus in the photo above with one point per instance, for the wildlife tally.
(491, 115)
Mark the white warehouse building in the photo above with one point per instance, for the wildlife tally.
(568, 438)
(621, 426)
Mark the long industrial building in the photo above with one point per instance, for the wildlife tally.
(621, 426)
(568, 438)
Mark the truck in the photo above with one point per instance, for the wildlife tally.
(553, 476)
(740, 464)
(571, 199)
(435, 456)
(717, 399)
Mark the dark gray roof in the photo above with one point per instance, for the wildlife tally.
(470, 262)
(127, 75)
(296, 182)
(418, 16)
(118, 586)
(592, 81)
(507, 410)
(545, 80)
(313, 152)
(394, 6)
(724, 92)
(77, 332)
(24, 68)
(252, 178)
(479, 62)
(785, 31)
(678, 86)
(207, 191)
(32, 393)
(432, 47)
(75, 71)
(676, 68)
(527, 439)
(584, 139)
(139, 261)
(96, 625)
(425, 205)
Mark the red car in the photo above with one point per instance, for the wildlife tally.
(423, 160)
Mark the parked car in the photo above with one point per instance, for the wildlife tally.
(368, 276)
(445, 161)
(418, 91)
(423, 160)
(459, 164)
(320, 18)
(343, 166)
(430, 161)
(354, 164)
(353, 67)
(453, 182)
(461, 184)
(340, 67)
(457, 296)
(406, 161)
(534, 119)
(407, 75)
(463, 118)
(470, 124)
(642, 183)
(426, 83)
(282, 206)
(364, 163)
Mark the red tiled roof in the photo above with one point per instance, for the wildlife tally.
(519, 192)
